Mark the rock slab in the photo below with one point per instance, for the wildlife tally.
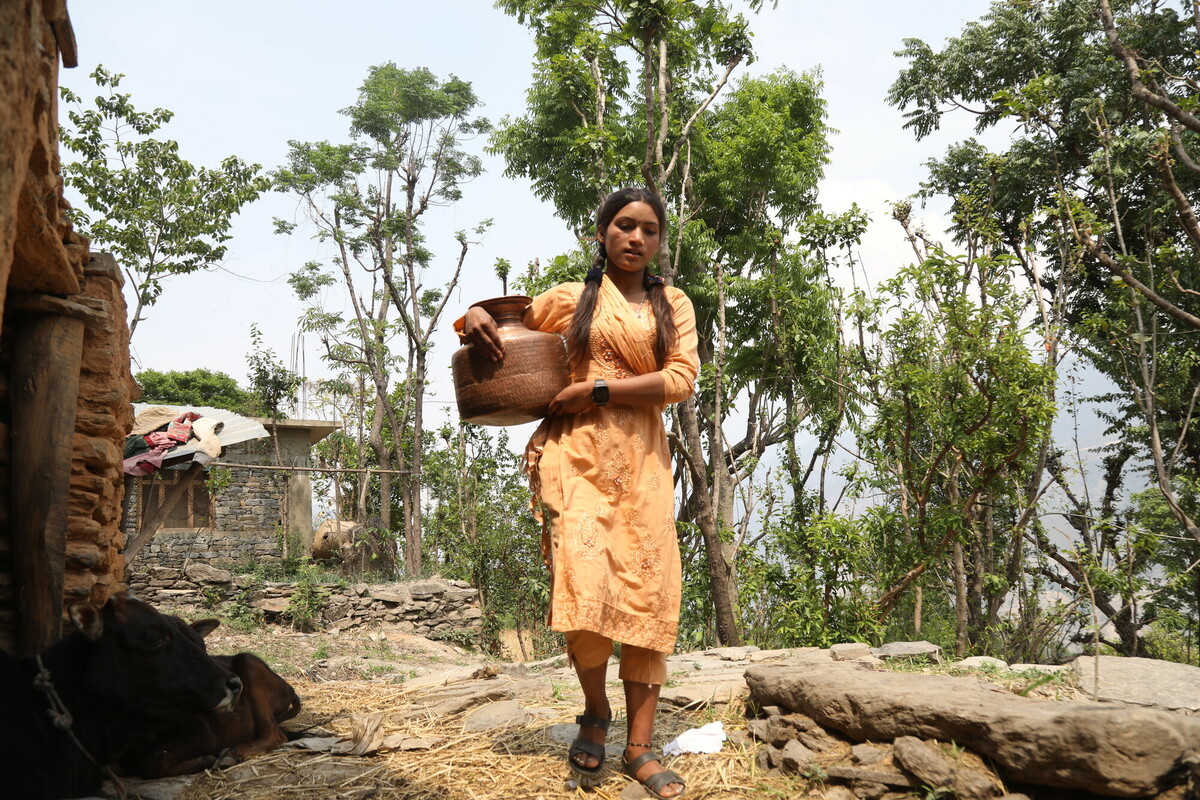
(1108, 750)
(1140, 681)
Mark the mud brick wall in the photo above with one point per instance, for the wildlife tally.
(103, 415)
(44, 265)
(8, 600)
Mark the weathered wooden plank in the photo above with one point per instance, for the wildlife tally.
(43, 393)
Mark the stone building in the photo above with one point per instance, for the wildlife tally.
(65, 385)
(243, 513)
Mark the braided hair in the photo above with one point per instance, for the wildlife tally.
(580, 329)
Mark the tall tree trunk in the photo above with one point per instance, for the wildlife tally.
(722, 583)
(412, 528)
(383, 457)
(960, 601)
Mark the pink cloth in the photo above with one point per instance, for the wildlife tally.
(145, 463)
(160, 439)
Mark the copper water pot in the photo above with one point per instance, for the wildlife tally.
(519, 387)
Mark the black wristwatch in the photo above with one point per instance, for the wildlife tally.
(600, 392)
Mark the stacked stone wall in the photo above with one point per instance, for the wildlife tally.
(178, 548)
(245, 518)
(435, 608)
(103, 415)
(44, 267)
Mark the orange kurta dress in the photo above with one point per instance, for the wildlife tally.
(602, 479)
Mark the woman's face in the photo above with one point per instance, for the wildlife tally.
(631, 239)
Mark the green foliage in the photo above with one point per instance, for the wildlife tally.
(219, 479)
(1093, 196)
(479, 528)
(237, 612)
(197, 387)
(159, 215)
(957, 407)
(811, 586)
(309, 599)
(584, 131)
(368, 198)
(273, 386)
(211, 597)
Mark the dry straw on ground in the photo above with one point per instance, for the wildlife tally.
(515, 763)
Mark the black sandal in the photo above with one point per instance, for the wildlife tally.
(658, 780)
(587, 747)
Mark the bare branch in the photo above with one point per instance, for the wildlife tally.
(685, 134)
(1187, 215)
(1096, 251)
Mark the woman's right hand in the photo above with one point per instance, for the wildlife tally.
(480, 330)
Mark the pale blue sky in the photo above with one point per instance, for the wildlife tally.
(245, 77)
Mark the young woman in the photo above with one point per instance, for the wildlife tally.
(601, 473)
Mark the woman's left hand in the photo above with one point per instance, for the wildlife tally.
(575, 399)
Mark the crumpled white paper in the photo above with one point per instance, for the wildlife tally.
(706, 739)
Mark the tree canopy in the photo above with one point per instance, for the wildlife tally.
(159, 214)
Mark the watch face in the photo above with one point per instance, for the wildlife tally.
(600, 394)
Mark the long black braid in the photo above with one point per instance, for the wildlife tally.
(580, 329)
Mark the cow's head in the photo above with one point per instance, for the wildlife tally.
(142, 660)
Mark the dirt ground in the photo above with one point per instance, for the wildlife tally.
(414, 698)
(384, 678)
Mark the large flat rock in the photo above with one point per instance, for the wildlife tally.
(1140, 681)
(1110, 750)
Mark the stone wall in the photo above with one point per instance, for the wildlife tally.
(434, 608)
(245, 517)
(253, 500)
(177, 548)
(45, 274)
(103, 415)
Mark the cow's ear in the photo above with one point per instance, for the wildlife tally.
(205, 626)
(87, 620)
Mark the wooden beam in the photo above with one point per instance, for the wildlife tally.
(44, 390)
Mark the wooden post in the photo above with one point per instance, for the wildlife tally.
(154, 517)
(43, 393)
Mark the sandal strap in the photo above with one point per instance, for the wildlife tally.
(587, 747)
(587, 721)
(631, 767)
(658, 780)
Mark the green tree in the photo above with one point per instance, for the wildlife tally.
(479, 528)
(273, 387)
(1172, 608)
(159, 214)
(197, 387)
(369, 198)
(957, 411)
(1096, 194)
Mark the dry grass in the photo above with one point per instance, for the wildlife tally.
(516, 763)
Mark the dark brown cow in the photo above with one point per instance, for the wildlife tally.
(194, 742)
(124, 670)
